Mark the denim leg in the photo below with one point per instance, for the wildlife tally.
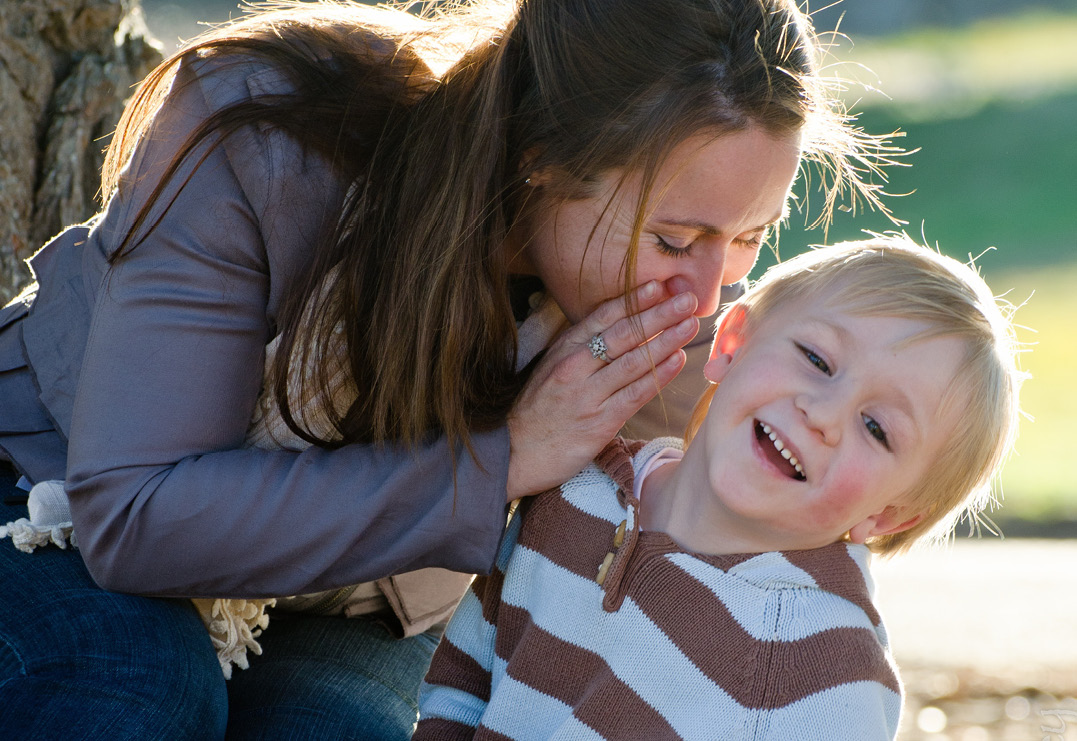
(79, 662)
(329, 678)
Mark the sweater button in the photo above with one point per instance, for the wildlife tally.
(604, 568)
(619, 536)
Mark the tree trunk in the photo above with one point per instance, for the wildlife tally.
(66, 68)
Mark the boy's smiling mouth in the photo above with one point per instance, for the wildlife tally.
(777, 452)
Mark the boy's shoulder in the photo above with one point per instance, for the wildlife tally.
(839, 569)
(605, 486)
(623, 459)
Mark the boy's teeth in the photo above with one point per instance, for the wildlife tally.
(782, 449)
(791, 458)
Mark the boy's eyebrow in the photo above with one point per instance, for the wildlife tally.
(843, 335)
(911, 431)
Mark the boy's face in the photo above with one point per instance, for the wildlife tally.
(823, 420)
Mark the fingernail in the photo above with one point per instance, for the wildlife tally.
(687, 326)
(684, 302)
(649, 289)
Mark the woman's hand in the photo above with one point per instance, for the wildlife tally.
(575, 403)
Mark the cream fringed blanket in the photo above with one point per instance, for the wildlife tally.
(235, 624)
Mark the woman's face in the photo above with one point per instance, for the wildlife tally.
(710, 209)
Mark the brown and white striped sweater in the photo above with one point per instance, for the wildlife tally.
(659, 643)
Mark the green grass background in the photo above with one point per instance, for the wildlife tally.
(995, 177)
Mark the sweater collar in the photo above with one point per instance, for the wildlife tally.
(839, 568)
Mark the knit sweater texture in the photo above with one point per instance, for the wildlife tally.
(565, 641)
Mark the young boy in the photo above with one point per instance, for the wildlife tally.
(865, 396)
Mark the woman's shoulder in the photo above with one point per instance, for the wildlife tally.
(288, 185)
(227, 79)
(228, 75)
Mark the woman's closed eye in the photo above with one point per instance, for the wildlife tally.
(753, 240)
(814, 358)
(674, 247)
(671, 249)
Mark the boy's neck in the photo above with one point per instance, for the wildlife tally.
(673, 501)
(667, 505)
(655, 508)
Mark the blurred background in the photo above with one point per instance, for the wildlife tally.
(985, 92)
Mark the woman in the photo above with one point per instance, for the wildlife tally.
(285, 359)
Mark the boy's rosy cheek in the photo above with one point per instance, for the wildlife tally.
(843, 497)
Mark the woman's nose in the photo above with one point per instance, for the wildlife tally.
(704, 279)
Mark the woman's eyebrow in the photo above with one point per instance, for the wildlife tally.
(709, 229)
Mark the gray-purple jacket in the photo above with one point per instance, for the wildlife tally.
(137, 385)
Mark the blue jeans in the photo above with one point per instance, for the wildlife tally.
(79, 662)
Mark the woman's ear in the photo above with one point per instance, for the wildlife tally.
(728, 339)
(535, 177)
(539, 178)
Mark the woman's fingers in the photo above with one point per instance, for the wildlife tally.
(632, 331)
(630, 399)
(619, 331)
(574, 404)
(642, 359)
(611, 311)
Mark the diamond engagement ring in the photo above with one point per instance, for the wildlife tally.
(598, 348)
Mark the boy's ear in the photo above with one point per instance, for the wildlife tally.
(728, 339)
(891, 520)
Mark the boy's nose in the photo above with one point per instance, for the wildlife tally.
(823, 415)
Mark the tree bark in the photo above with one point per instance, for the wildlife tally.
(66, 68)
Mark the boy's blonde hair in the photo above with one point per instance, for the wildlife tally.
(894, 276)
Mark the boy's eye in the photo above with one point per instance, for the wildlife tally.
(875, 430)
(671, 250)
(815, 359)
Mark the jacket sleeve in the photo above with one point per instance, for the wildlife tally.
(164, 499)
(456, 691)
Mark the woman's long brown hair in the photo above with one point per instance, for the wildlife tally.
(420, 254)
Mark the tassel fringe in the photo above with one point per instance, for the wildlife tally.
(234, 625)
(26, 536)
